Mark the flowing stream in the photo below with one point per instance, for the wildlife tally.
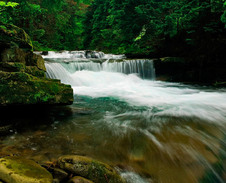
(152, 131)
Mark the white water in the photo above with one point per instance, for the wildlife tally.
(82, 54)
(169, 99)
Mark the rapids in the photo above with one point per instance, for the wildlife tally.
(152, 131)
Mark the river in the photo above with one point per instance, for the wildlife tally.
(152, 131)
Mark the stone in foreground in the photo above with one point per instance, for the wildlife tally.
(17, 170)
(78, 179)
(91, 169)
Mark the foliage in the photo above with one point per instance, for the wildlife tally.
(52, 24)
(147, 26)
(3, 7)
(121, 26)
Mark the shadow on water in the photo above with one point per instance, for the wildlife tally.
(160, 148)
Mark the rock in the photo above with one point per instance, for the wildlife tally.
(171, 69)
(18, 170)
(12, 67)
(22, 73)
(19, 88)
(45, 53)
(13, 36)
(78, 179)
(58, 174)
(91, 169)
(5, 129)
(34, 71)
(26, 57)
(35, 60)
(14, 55)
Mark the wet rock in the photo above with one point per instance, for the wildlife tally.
(171, 69)
(18, 88)
(45, 53)
(78, 179)
(91, 169)
(5, 129)
(58, 174)
(18, 170)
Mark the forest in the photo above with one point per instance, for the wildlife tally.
(144, 27)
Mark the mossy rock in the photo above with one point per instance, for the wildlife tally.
(78, 179)
(19, 88)
(91, 169)
(34, 71)
(21, 56)
(14, 55)
(13, 36)
(173, 59)
(12, 67)
(35, 60)
(18, 170)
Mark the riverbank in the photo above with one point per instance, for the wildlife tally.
(22, 73)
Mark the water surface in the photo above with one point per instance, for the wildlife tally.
(151, 131)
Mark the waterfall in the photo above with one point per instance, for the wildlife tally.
(143, 68)
(86, 54)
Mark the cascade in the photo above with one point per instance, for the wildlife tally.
(87, 54)
(97, 61)
(144, 68)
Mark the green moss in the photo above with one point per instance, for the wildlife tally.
(34, 71)
(90, 169)
(11, 33)
(22, 88)
(12, 67)
(14, 169)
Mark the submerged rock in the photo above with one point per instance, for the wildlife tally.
(78, 179)
(59, 175)
(17, 170)
(91, 169)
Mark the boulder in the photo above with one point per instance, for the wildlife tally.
(22, 73)
(14, 55)
(35, 60)
(59, 175)
(34, 71)
(91, 169)
(21, 56)
(19, 88)
(78, 179)
(12, 67)
(13, 36)
(171, 69)
(18, 170)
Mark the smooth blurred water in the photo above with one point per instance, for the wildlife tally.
(151, 131)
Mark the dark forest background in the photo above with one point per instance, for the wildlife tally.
(120, 26)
